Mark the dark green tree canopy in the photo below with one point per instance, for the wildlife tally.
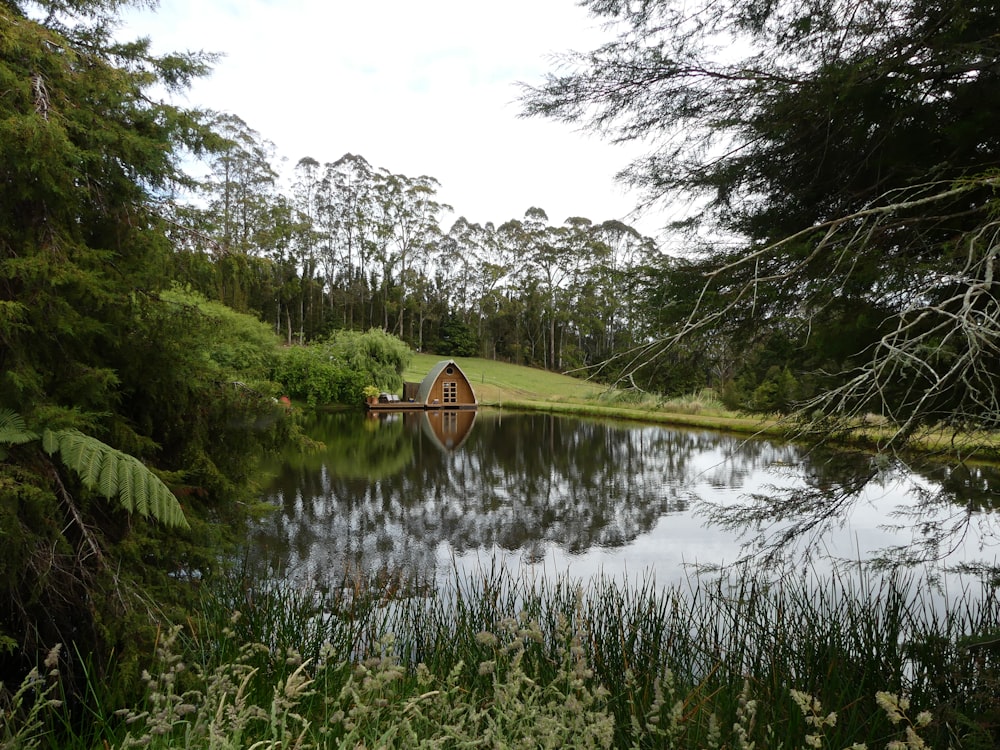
(85, 154)
(845, 151)
(134, 411)
(778, 114)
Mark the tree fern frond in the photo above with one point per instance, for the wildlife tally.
(126, 486)
(13, 430)
(116, 474)
(93, 460)
(50, 443)
(143, 486)
(107, 482)
(72, 448)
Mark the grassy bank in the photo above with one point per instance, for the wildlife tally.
(516, 387)
(500, 661)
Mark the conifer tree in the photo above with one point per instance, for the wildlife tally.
(117, 380)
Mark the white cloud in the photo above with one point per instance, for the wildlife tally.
(415, 87)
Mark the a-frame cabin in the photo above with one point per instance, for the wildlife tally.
(446, 387)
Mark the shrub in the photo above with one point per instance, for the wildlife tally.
(379, 356)
(310, 373)
(240, 344)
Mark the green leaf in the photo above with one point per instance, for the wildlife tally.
(50, 443)
(126, 487)
(13, 430)
(116, 475)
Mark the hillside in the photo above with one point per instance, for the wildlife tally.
(510, 386)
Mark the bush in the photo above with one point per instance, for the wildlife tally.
(311, 374)
(240, 344)
(336, 371)
(458, 338)
(375, 354)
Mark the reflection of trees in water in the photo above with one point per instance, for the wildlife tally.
(385, 497)
(955, 503)
(946, 507)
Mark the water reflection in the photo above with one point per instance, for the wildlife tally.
(409, 495)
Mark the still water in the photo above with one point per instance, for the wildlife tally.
(421, 494)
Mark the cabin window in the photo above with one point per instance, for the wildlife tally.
(449, 392)
(449, 423)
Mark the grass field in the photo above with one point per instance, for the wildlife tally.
(513, 386)
(497, 383)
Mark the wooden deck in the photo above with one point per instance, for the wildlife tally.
(412, 406)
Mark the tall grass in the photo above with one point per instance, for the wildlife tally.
(499, 660)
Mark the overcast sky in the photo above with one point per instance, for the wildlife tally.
(419, 87)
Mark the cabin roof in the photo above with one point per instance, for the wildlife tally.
(428, 382)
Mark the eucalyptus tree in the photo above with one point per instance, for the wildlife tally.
(408, 227)
(524, 319)
(240, 183)
(622, 249)
(305, 189)
(554, 255)
(492, 273)
(844, 155)
(347, 221)
(241, 215)
(470, 260)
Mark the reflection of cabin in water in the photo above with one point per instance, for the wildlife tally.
(449, 427)
(444, 387)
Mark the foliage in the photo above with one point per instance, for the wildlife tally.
(338, 370)
(102, 468)
(310, 373)
(504, 660)
(241, 346)
(838, 160)
(115, 474)
(457, 339)
(380, 356)
(122, 382)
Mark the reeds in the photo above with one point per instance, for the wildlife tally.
(497, 660)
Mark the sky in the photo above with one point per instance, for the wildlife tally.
(418, 87)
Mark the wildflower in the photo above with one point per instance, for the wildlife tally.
(486, 638)
(487, 667)
(893, 705)
(913, 740)
(326, 651)
(52, 660)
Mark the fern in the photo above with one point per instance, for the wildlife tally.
(115, 474)
(102, 469)
(13, 431)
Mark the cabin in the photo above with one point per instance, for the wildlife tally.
(444, 387)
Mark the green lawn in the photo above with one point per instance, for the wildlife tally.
(497, 383)
(510, 386)
(516, 387)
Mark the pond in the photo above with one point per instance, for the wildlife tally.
(422, 494)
